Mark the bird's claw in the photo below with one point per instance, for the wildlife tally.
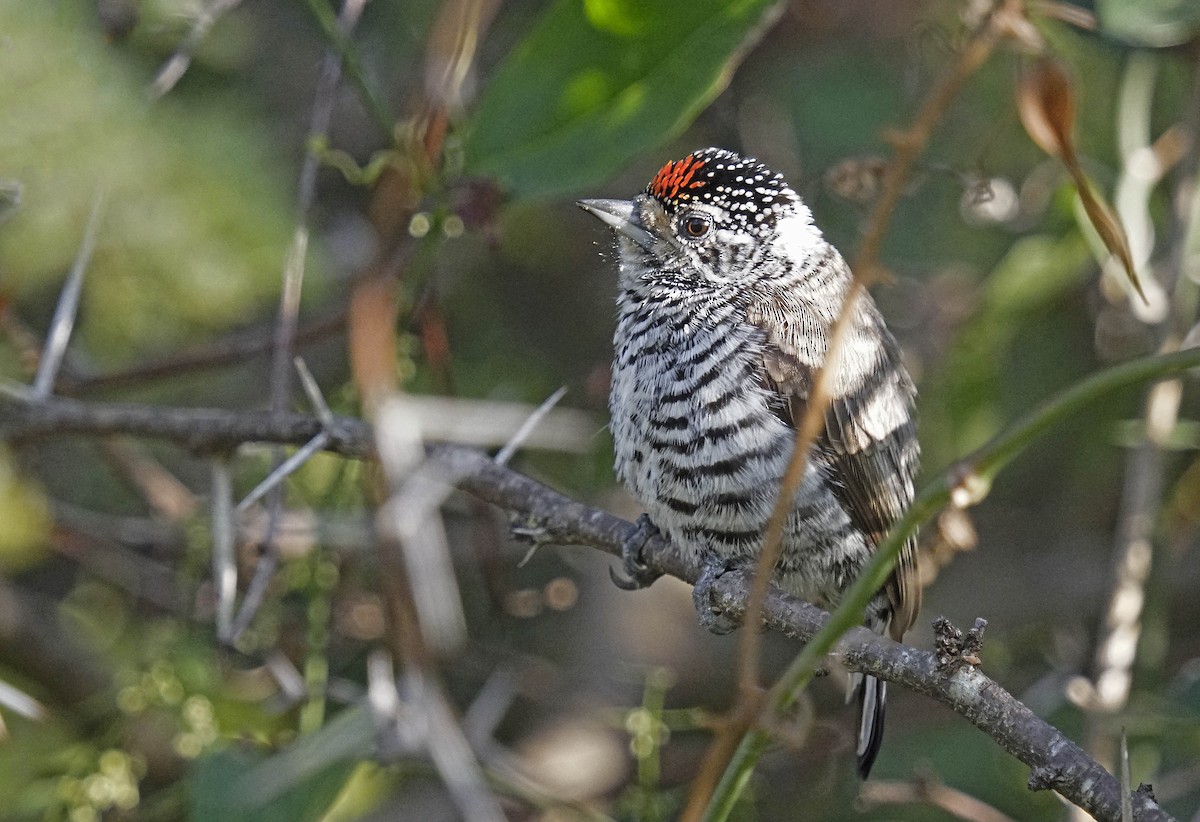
(715, 619)
(637, 574)
(625, 583)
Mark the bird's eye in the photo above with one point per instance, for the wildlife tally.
(696, 226)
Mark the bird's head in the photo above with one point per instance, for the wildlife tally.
(712, 219)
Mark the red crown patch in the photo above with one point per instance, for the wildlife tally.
(674, 179)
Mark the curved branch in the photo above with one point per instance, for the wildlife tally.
(1055, 761)
(546, 515)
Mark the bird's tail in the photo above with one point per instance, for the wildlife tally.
(872, 696)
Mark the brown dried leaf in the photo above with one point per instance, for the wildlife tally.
(1046, 104)
(1105, 221)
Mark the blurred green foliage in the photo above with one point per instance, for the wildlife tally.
(1150, 22)
(25, 521)
(995, 309)
(197, 216)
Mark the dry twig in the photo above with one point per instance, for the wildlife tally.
(926, 790)
(908, 146)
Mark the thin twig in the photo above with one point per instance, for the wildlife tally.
(908, 146)
(68, 306)
(289, 306)
(108, 558)
(337, 32)
(165, 494)
(807, 432)
(495, 423)
(19, 702)
(284, 470)
(396, 736)
(14, 390)
(450, 751)
(165, 537)
(489, 707)
(177, 64)
(450, 53)
(313, 392)
(293, 277)
(296, 460)
(518, 439)
(289, 311)
(238, 347)
(223, 562)
(929, 792)
(287, 677)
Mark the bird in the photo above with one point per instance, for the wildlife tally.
(727, 294)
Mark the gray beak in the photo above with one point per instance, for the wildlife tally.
(619, 215)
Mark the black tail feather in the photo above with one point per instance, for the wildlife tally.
(872, 694)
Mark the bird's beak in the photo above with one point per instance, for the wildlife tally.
(619, 215)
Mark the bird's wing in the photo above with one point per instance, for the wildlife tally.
(870, 438)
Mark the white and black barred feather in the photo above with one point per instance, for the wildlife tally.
(719, 334)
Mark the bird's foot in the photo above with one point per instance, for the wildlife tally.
(711, 616)
(637, 574)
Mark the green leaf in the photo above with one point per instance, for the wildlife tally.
(1156, 23)
(598, 82)
(213, 801)
(297, 784)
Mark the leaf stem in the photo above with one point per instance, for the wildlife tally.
(977, 469)
(340, 42)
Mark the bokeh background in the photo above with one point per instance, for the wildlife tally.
(998, 293)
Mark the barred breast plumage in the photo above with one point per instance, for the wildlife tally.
(727, 296)
(699, 445)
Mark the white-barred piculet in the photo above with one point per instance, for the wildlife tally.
(728, 293)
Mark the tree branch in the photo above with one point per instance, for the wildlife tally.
(200, 430)
(1055, 761)
(545, 515)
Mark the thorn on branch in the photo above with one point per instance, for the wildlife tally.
(527, 528)
(952, 649)
(67, 309)
(522, 434)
